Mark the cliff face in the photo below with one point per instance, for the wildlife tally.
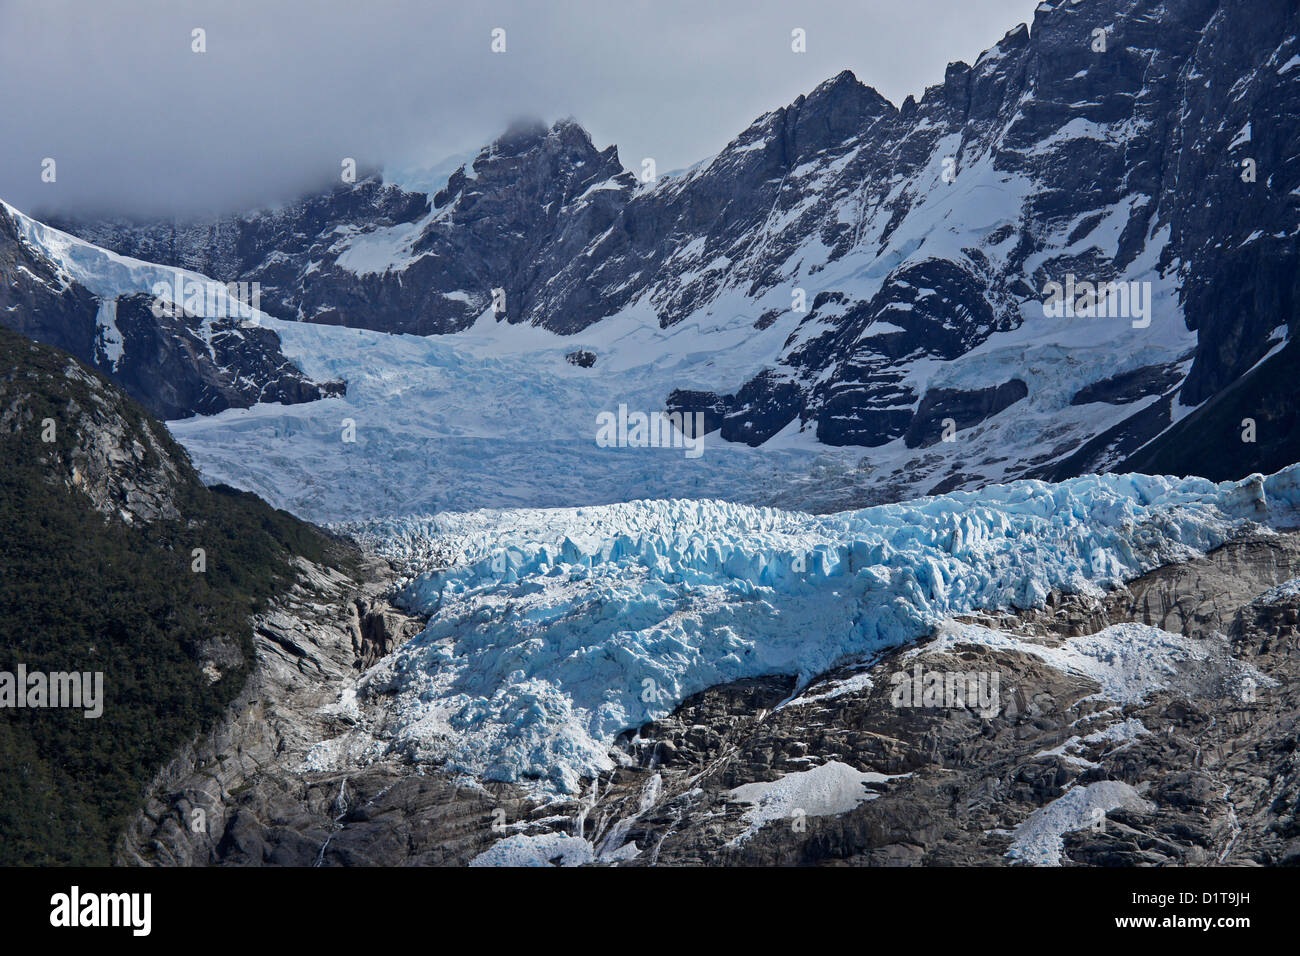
(78, 432)
(175, 360)
(116, 561)
(239, 794)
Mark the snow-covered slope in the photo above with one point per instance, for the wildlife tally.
(845, 273)
(178, 342)
(554, 631)
(493, 417)
(497, 416)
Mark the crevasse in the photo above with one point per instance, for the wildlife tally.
(552, 631)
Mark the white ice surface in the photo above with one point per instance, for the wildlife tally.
(825, 790)
(536, 850)
(552, 631)
(1039, 840)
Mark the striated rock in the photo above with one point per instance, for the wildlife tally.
(243, 783)
(1127, 387)
(1205, 765)
(963, 408)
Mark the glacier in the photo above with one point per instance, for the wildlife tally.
(495, 415)
(552, 631)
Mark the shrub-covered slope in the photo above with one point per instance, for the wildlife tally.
(98, 532)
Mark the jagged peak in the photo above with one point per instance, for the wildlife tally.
(845, 79)
(568, 126)
(521, 135)
(1014, 39)
(526, 134)
(846, 86)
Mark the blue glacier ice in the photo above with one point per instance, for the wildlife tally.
(552, 631)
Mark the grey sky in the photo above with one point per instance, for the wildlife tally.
(137, 122)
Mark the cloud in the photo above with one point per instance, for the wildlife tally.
(139, 123)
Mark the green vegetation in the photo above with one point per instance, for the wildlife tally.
(80, 591)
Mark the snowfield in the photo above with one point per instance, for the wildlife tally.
(495, 416)
(552, 631)
(826, 790)
(1039, 841)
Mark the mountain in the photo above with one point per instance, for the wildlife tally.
(889, 265)
(191, 349)
(116, 560)
(906, 602)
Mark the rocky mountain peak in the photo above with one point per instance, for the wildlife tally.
(839, 108)
(545, 164)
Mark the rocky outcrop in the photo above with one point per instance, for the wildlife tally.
(583, 358)
(1128, 387)
(248, 794)
(377, 630)
(173, 361)
(1253, 425)
(712, 406)
(82, 434)
(184, 366)
(962, 408)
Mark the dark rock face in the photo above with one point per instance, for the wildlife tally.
(761, 409)
(581, 358)
(375, 256)
(167, 361)
(710, 404)
(1128, 387)
(122, 462)
(1236, 237)
(173, 362)
(35, 302)
(963, 408)
(1177, 161)
(1253, 425)
(1112, 448)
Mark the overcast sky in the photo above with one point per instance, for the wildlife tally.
(138, 122)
